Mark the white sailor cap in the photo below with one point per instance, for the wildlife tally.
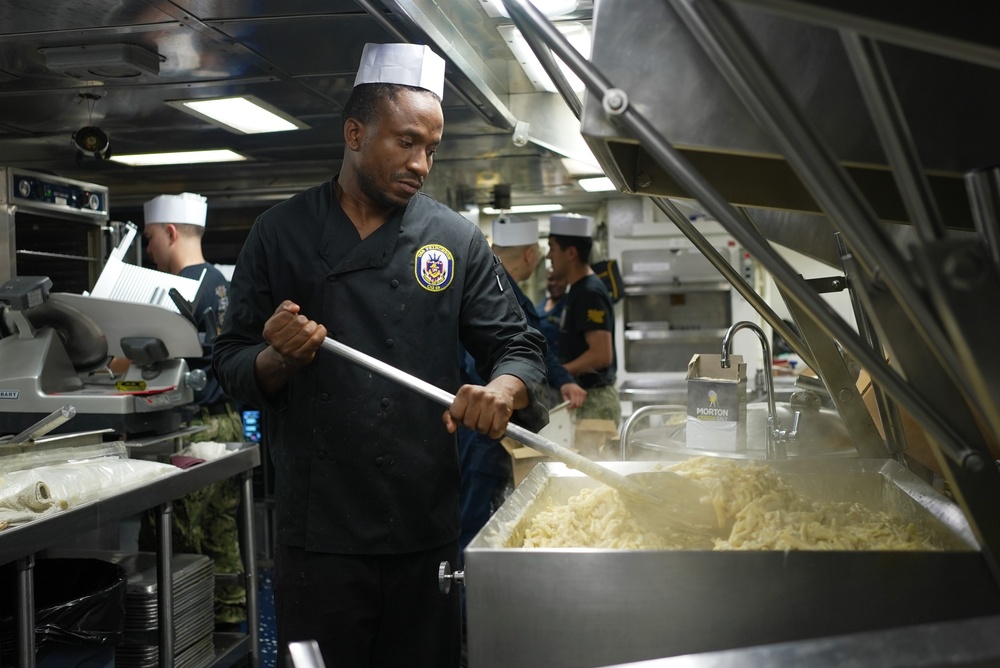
(515, 231)
(405, 64)
(571, 225)
(187, 208)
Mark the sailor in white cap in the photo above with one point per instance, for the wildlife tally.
(586, 339)
(486, 468)
(515, 242)
(205, 523)
(367, 473)
(173, 226)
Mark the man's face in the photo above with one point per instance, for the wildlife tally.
(555, 285)
(157, 245)
(398, 148)
(560, 262)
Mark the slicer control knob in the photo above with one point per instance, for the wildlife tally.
(196, 379)
(446, 577)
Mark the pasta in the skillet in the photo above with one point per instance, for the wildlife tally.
(765, 514)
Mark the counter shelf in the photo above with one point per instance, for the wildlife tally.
(23, 542)
(174, 438)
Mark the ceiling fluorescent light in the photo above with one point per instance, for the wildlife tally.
(550, 8)
(242, 115)
(597, 184)
(580, 168)
(575, 32)
(179, 158)
(523, 208)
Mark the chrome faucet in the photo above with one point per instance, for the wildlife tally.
(776, 436)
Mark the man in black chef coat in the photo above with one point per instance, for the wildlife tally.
(366, 471)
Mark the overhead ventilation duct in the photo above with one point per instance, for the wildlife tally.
(102, 61)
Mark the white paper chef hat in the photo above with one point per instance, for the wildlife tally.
(405, 64)
(186, 208)
(571, 225)
(515, 231)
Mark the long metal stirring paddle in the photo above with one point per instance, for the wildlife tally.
(673, 502)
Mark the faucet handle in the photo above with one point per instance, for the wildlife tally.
(781, 435)
(795, 426)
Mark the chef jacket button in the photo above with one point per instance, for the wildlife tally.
(385, 401)
(378, 461)
(389, 343)
(321, 454)
(324, 396)
(394, 283)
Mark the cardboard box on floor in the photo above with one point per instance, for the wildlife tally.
(597, 439)
(567, 432)
(559, 429)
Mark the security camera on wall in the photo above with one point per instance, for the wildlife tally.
(92, 141)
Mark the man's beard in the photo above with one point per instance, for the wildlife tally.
(368, 187)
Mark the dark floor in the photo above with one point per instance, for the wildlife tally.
(268, 633)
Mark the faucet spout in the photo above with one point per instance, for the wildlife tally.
(775, 447)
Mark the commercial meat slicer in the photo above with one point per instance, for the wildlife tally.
(57, 349)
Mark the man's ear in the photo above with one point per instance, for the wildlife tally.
(527, 256)
(172, 233)
(354, 134)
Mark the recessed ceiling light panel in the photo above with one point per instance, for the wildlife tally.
(523, 208)
(550, 8)
(578, 35)
(597, 184)
(244, 114)
(178, 158)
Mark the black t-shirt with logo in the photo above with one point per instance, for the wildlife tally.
(588, 308)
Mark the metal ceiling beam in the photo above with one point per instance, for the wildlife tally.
(427, 16)
(925, 28)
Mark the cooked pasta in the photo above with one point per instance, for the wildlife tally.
(765, 513)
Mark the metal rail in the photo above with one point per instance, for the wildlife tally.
(518, 433)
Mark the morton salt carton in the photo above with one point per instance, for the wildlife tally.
(717, 403)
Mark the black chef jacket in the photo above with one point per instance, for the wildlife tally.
(362, 464)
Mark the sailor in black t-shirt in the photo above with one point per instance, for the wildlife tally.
(586, 332)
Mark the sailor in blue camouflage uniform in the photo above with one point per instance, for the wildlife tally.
(486, 466)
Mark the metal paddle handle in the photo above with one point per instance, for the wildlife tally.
(520, 434)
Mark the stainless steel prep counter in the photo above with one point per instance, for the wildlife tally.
(23, 542)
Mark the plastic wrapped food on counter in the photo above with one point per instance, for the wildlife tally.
(32, 493)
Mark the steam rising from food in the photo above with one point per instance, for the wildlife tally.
(765, 513)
